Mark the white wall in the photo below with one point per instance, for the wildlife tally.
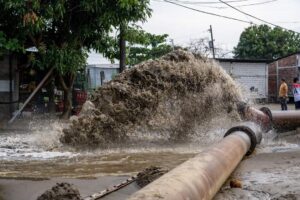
(249, 75)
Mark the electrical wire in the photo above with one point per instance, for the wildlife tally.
(270, 23)
(231, 18)
(208, 2)
(208, 13)
(203, 4)
(244, 5)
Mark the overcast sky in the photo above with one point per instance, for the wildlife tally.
(184, 25)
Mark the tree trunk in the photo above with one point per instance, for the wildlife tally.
(51, 88)
(67, 104)
(67, 94)
(122, 44)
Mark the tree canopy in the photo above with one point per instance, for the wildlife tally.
(144, 46)
(64, 30)
(65, 26)
(265, 42)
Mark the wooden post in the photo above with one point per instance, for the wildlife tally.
(31, 95)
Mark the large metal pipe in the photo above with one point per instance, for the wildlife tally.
(286, 120)
(267, 119)
(202, 176)
(261, 117)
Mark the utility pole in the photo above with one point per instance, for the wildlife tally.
(172, 42)
(122, 46)
(211, 43)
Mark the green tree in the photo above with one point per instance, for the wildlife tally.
(144, 46)
(64, 30)
(264, 42)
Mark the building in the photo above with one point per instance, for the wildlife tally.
(286, 67)
(9, 86)
(100, 70)
(251, 74)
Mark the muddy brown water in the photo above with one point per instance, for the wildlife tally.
(33, 161)
(131, 128)
(174, 96)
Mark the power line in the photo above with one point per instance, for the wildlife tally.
(270, 23)
(227, 17)
(208, 13)
(239, 6)
(204, 4)
(208, 2)
(257, 3)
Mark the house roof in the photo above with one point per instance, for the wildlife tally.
(243, 60)
(288, 55)
(255, 60)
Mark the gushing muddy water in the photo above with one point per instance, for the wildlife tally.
(160, 113)
(38, 153)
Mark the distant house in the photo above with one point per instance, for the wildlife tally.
(251, 74)
(287, 67)
(100, 70)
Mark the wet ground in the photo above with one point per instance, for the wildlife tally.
(33, 160)
(272, 172)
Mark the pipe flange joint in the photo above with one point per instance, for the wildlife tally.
(268, 112)
(248, 131)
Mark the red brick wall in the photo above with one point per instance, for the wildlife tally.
(272, 80)
(285, 71)
(288, 61)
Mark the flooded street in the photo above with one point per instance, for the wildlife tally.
(32, 150)
(33, 160)
(160, 113)
(24, 155)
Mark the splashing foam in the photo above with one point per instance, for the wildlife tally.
(175, 96)
(38, 140)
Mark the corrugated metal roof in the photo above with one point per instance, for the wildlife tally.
(243, 60)
(296, 53)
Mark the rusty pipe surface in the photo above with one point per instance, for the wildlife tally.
(267, 119)
(261, 117)
(202, 176)
(286, 120)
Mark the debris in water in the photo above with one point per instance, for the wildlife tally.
(171, 95)
(61, 191)
(149, 175)
(235, 183)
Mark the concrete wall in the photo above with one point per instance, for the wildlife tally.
(287, 68)
(251, 76)
(6, 108)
